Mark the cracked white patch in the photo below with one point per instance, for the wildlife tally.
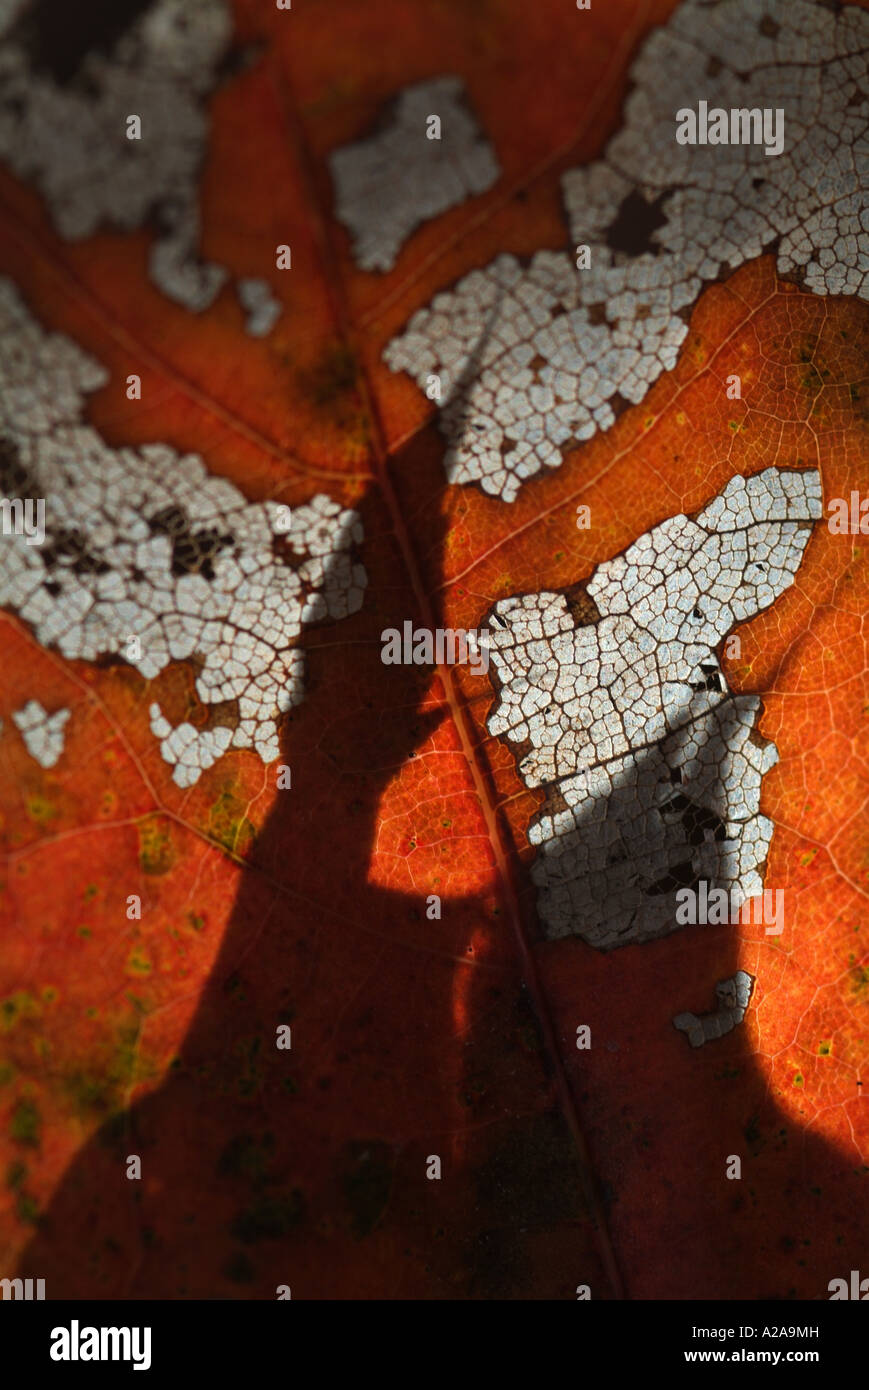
(67, 132)
(43, 733)
(732, 996)
(149, 558)
(263, 310)
(387, 185)
(652, 766)
(188, 750)
(535, 360)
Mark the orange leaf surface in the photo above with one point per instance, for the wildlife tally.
(417, 1035)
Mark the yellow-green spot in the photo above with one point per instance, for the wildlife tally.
(824, 1049)
(228, 824)
(101, 1089)
(156, 850)
(798, 1078)
(41, 810)
(16, 1007)
(138, 962)
(27, 1208)
(860, 978)
(90, 1093)
(15, 1174)
(333, 375)
(128, 1064)
(26, 1123)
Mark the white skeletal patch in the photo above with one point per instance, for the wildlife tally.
(732, 996)
(534, 360)
(69, 137)
(43, 733)
(188, 750)
(387, 185)
(263, 310)
(652, 767)
(149, 558)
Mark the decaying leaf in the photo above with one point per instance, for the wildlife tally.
(323, 940)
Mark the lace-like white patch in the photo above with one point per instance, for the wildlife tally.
(652, 767)
(149, 558)
(732, 996)
(64, 128)
(387, 185)
(534, 360)
(43, 733)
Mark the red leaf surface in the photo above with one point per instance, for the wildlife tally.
(261, 907)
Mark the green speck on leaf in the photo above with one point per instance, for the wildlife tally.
(138, 962)
(228, 824)
(15, 1174)
(27, 1208)
(15, 1007)
(26, 1123)
(40, 809)
(156, 850)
